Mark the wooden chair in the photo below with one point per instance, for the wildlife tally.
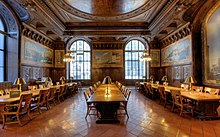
(41, 100)
(213, 91)
(178, 101)
(51, 96)
(137, 85)
(91, 90)
(1, 92)
(197, 88)
(123, 105)
(60, 93)
(79, 85)
(90, 106)
(17, 109)
(163, 95)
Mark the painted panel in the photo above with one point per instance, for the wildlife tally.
(178, 53)
(155, 54)
(107, 58)
(35, 54)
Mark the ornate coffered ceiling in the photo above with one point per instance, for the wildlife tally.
(62, 19)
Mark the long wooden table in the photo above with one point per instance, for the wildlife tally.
(107, 104)
(206, 104)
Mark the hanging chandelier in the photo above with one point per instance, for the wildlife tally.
(68, 57)
(146, 56)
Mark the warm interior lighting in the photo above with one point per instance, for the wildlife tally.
(164, 79)
(68, 57)
(190, 80)
(48, 81)
(19, 81)
(146, 56)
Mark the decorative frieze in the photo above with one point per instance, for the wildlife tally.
(37, 37)
(179, 34)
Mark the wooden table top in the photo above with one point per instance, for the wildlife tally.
(115, 94)
(7, 100)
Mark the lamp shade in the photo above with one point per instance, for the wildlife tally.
(164, 78)
(62, 78)
(19, 81)
(48, 79)
(190, 79)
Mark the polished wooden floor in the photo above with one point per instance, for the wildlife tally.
(147, 119)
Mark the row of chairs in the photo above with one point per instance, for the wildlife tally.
(123, 105)
(27, 102)
(91, 110)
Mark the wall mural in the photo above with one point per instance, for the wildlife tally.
(212, 47)
(36, 54)
(155, 54)
(59, 63)
(177, 53)
(107, 58)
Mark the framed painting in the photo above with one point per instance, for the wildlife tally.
(178, 53)
(155, 55)
(107, 58)
(59, 63)
(211, 48)
(36, 54)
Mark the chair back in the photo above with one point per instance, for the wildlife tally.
(128, 93)
(213, 91)
(25, 101)
(43, 96)
(86, 94)
(176, 96)
(52, 92)
(197, 88)
(161, 91)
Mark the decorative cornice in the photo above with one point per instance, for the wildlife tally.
(108, 45)
(36, 36)
(179, 34)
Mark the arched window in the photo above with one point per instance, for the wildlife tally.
(81, 68)
(134, 68)
(2, 50)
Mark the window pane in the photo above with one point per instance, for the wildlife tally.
(1, 26)
(2, 41)
(128, 46)
(134, 45)
(73, 47)
(2, 74)
(135, 56)
(86, 46)
(1, 59)
(87, 56)
(141, 46)
(80, 45)
(127, 55)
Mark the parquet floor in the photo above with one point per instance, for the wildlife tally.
(147, 119)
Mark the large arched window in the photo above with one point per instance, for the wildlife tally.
(134, 68)
(2, 49)
(81, 68)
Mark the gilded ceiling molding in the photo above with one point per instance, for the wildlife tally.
(179, 34)
(65, 6)
(34, 35)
